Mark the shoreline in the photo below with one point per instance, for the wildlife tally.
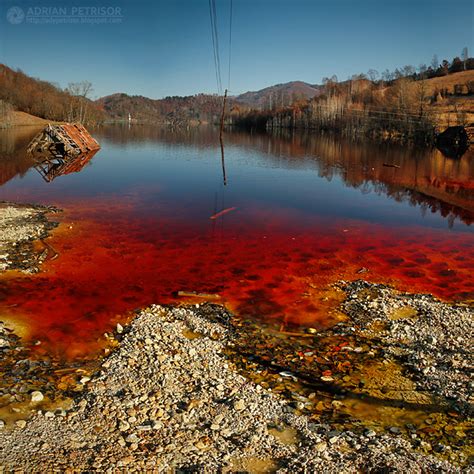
(167, 400)
(179, 390)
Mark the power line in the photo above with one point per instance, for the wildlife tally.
(215, 43)
(230, 42)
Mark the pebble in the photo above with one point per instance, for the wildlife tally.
(132, 438)
(20, 423)
(370, 433)
(321, 446)
(37, 396)
(4, 343)
(239, 405)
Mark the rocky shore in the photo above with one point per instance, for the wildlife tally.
(168, 398)
(20, 226)
(196, 389)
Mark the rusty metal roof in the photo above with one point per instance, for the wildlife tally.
(62, 140)
(79, 135)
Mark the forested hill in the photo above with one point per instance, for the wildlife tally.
(201, 108)
(43, 99)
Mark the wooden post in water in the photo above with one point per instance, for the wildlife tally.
(223, 114)
(221, 139)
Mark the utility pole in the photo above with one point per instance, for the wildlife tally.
(222, 115)
(221, 139)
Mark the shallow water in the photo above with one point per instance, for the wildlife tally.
(309, 210)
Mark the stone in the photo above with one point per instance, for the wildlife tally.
(370, 433)
(20, 423)
(124, 426)
(132, 438)
(239, 405)
(320, 447)
(37, 396)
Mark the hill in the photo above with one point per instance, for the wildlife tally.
(279, 95)
(201, 108)
(35, 97)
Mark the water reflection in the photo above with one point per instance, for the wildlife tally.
(53, 166)
(424, 178)
(14, 161)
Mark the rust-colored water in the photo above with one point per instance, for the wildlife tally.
(271, 257)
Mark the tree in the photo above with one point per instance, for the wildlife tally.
(456, 65)
(464, 56)
(445, 67)
(408, 70)
(79, 106)
(421, 96)
(422, 68)
(373, 75)
(387, 76)
(435, 62)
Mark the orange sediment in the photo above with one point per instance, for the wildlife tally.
(271, 265)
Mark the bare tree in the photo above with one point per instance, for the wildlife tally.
(421, 96)
(408, 70)
(373, 75)
(435, 62)
(465, 56)
(387, 76)
(79, 105)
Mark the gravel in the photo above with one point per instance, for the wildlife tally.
(432, 339)
(169, 399)
(167, 402)
(19, 226)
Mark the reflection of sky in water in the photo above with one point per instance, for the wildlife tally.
(318, 176)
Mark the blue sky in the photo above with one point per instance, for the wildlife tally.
(159, 48)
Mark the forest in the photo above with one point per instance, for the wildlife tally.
(408, 103)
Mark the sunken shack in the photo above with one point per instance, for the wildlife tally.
(68, 139)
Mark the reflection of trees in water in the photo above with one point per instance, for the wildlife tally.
(425, 178)
(13, 158)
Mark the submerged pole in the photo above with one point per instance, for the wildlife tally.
(221, 138)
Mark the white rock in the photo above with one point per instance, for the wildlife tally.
(20, 423)
(37, 396)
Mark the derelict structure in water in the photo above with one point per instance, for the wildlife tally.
(62, 149)
(69, 139)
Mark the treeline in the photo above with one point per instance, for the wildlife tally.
(423, 71)
(392, 106)
(46, 100)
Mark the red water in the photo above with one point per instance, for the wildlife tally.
(263, 263)
(136, 228)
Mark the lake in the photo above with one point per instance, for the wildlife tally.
(303, 211)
